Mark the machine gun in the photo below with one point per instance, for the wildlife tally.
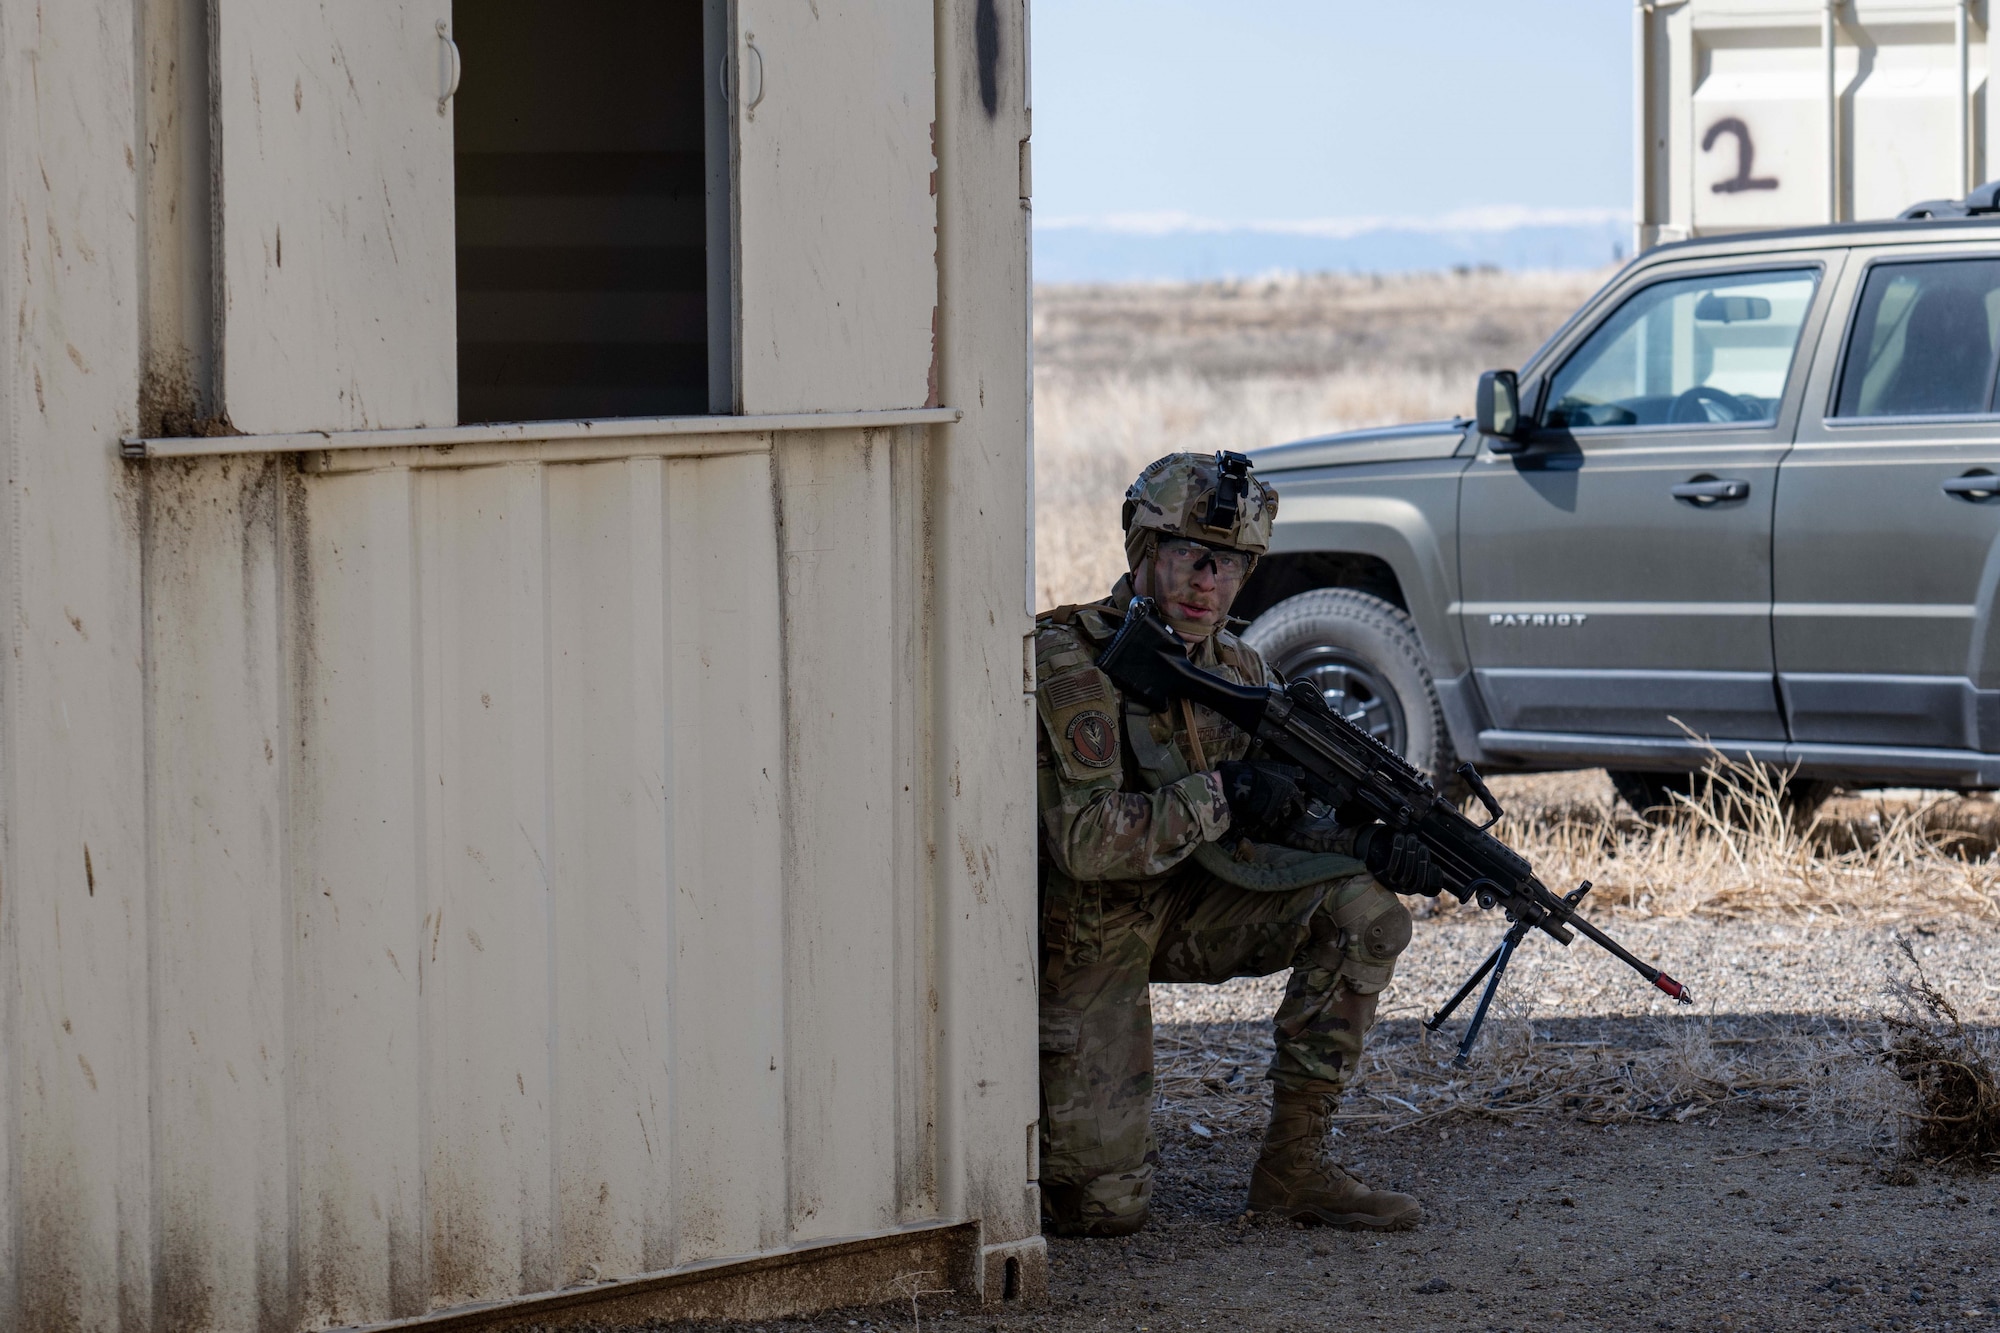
(1353, 772)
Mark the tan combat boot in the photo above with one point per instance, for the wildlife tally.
(1295, 1180)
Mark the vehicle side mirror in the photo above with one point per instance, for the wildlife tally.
(1497, 411)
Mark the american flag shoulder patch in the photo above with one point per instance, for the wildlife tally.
(1076, 687)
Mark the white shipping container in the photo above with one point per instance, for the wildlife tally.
(516, 771)
(1754, 114)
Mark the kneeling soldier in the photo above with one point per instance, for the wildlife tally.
(1171, 852)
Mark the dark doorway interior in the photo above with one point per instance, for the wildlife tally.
(581, 188)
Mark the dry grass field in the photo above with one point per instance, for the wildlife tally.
(1883, 858)
(1124, 374)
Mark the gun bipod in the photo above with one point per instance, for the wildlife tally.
(1491, 971)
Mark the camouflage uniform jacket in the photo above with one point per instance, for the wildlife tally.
(1100, 820)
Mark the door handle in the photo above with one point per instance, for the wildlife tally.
(1704, 491)
(1975, 486)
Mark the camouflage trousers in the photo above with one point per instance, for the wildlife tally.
(1104, 941)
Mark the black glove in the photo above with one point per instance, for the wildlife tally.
(1262, 795)
(1317, 830)
(1399, 861)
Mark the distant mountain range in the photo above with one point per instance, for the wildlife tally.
(1177, 247)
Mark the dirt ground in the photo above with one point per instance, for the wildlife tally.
(1608, 1162)
(1743, 1225)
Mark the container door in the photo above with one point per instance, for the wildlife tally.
(837, 226)
(335, 209)
(1617, 574)
(1888, 518)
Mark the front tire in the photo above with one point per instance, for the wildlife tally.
(1370, 665)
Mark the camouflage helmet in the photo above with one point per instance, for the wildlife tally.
(1213, 500)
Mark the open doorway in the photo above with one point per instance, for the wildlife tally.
(592, 231)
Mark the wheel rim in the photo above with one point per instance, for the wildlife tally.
(1353, 689)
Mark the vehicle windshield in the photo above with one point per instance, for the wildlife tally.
(1689, 352)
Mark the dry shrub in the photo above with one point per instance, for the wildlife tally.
(1736, 849)
(1967, 827)
(1951, 1070)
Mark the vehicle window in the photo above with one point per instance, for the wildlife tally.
(1923, 341)
(1689, 352)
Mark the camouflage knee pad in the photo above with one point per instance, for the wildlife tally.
(1375, 927)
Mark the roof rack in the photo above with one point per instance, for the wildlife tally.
(1982, 201)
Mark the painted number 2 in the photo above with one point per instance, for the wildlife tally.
(1746, 155)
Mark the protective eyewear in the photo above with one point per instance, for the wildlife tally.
(1229, 566)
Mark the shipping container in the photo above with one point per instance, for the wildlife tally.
(1754, 114)
(516, 781)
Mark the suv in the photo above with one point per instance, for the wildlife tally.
(1746, 496)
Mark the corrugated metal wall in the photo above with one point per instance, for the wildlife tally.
(529, 840)
(437, 870)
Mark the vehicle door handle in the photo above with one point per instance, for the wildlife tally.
(1704, 491)
(1974, 486)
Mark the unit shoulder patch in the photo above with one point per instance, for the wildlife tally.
(1093, 739)
(1078, 705)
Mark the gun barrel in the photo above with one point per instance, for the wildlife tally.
(1616, 950)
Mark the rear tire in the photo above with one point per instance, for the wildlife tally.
(1652, 794)
(1371, 667)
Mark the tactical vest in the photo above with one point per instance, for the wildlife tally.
(1260, 867)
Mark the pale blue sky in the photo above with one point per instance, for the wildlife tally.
(1252, 111)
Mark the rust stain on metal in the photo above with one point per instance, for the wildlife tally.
(182, 1280)
(871, 1270)
(467, 1263)
(933, 395)
(170, 405)
(978, 865)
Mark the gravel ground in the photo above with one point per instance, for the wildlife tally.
(1787, 1018)
(1733, 967)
